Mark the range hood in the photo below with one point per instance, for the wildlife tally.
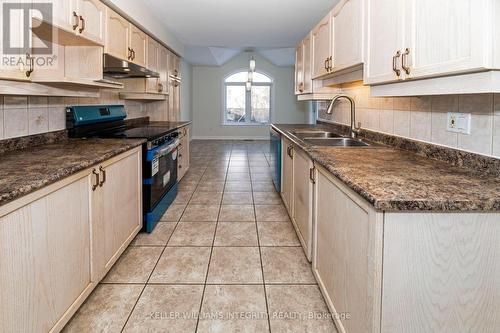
(122, 69)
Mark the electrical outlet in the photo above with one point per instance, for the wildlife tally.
(459, 122)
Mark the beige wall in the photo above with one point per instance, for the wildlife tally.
(208, 103)
(23, 115)
(424, 118)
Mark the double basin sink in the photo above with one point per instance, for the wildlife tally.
(330, 139)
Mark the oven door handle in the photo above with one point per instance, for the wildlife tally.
(168, 148)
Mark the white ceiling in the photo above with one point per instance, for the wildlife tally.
(214, 31)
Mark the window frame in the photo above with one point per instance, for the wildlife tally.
(248, 99)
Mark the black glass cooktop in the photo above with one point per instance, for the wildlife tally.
(146, 132)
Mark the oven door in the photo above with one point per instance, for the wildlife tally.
(163, 167)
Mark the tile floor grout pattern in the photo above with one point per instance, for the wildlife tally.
(224, 258)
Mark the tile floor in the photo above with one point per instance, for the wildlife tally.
(225, 258)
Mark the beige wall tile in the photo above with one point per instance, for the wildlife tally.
(402, 123)
(1, 117)
(439, 133)
(387, 121)
(496, 136)
(37, 101)
(422, 103)
(57, 118)
(420, 125)
(15, 102)
(445, 103)
(476, 103)
(38, 120)
(15, 122)
(496, 104)
(387, 103)
(402, 103)
(480, 139)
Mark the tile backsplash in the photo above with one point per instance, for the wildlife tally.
(424, 118)
(28, 115)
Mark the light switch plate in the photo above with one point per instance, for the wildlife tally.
(458, 122)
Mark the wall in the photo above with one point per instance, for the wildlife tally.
(186, 91)
(23, 115)
(423, 118)
(208, 99)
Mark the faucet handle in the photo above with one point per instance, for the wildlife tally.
(359, 125)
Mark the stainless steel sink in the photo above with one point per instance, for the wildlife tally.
(336, 142)
(315, 134)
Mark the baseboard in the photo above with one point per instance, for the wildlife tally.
(237, 138)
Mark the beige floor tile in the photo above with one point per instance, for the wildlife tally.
(261, 177)
(200, 213)
(188, 186)
(237, 213)
(159, 236)
(271, 213)
(238, 265)
(286, 265)
(267, 198)
(238, 176)
(210, 186)
(277, 234)
(167, 309)
(242, 309)
(260, 169)
(193, 234)
(182, 265)
(235, 169)
(214, 178)
(236, 234)
(173, 213)
(238, 186)
(182, 197)
(135, 265)
(206, 198)
(299, 301)
(237, 198)
(265, 186)
(106, 309)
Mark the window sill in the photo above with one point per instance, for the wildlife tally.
(246, 125)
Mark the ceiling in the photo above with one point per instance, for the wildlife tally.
(215, 31)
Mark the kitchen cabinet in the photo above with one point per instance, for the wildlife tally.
(117, 35)
(307, 66)
(115, 224)
(163, 68)
(45, 258)
(303, 183)
(58, 242)
(299, 69)
(287, 155)
(183, 154)
(348, 26)
(153, 54)
(322, 48)
(91, 20)
(174, 101)
(138, 45)
(413, 39)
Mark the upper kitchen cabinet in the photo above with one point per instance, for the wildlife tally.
(138, 45)
(322, 48)
(299, 69)
(347, 34)
(153, 54)
(117, 35)
(422, 39)
(91, 20)
(303, 67)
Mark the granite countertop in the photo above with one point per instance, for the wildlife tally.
(397, 180)
(27, 170)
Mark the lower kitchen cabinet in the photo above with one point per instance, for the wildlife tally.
(53, 242)
(183, 155)
(115, 224)
(287, 153)
(303, 182)
(404, 271)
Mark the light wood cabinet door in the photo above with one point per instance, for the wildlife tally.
(322, 47)
(138, 44)
(93, 13)
(174, 64)
(45, 259)
(348, 34)
(384, 38)
(303, 200)
(174, 102)
(117, 35)
(117, 209)
(153, 54)
(456, 42)
(64, 14)
(306, 45)
(344, 254)
(299, 69)
(287, 174)
(183, 157)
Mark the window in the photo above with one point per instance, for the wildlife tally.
(242, 107)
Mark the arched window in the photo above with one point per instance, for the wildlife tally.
(247, 107)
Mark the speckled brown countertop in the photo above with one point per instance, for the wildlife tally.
(397, 180)
(27, 170)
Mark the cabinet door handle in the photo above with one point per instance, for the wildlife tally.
(395, 63)
(290, 151)
(83, 24)
(101, 170)
(96, 184)
(133, 54)
(311, 175)
(404, 61)
(326, 64)
(129, 53)
(31, 62)
(77, 20)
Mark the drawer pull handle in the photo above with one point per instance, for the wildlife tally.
(404, 62)
(311, 175)
(101, 170)
(395, 63)
(83, 24)
(77, 21)
(96, 184)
